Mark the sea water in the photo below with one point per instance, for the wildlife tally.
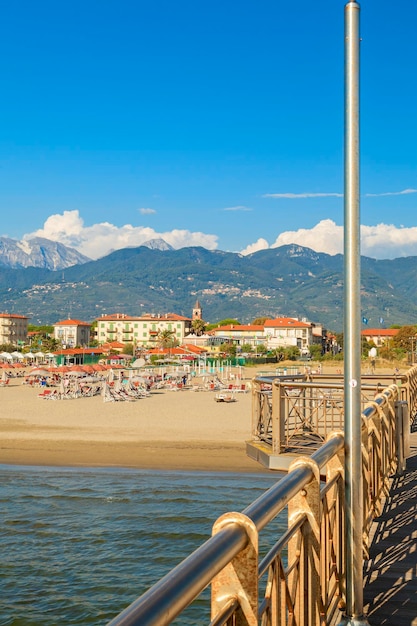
(79, 545)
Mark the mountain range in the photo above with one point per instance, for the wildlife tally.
(49, 282)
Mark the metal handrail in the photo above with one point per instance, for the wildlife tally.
(174, 592)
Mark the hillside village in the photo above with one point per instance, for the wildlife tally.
(179, 336)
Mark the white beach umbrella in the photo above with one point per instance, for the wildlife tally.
(38, 372)
(17, 355)
(6, 355)
(40, 354)
(29, 355)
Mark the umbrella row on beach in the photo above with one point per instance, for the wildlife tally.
(20, 356)
(81, 370)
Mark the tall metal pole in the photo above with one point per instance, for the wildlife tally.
(352, 327)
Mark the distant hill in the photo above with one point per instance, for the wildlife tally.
(289, 280)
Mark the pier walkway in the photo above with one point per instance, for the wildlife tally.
(390, 578)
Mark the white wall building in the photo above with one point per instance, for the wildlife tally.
(72, 333)
(284, 332)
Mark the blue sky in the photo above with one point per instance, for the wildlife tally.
(205, 123)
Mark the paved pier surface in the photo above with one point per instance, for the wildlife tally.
(390, 580)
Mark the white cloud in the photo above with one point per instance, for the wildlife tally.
(404, 192)
(237, 208)
(99, 239)
(383, 241)
(147, 211)
(295, 196)
(325, 236)
(261, 244)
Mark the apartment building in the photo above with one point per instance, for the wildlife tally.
(141, 331)
(284, 332)
(72, 333)
(13, 329)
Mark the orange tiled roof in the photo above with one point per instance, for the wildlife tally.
(286, 322)
(255, 328)
(147, 317)
(72, 323)
(80, 351)
(380, 332)
(113, 345)
(190, 347)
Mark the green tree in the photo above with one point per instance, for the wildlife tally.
(166, 338)
(50, 344)
(260, 321)
(198, 327)
(405, 338)
(226, 322)
(229, 349)
(292, 353)
(128, 349)
(315, 351)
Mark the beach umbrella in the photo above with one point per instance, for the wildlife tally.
(37, 371)
(6, 355)
(138, 363)
(17, 355)
(98, 368)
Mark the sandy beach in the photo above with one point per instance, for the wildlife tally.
(181, 430)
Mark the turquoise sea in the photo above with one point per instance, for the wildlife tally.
(79, 545)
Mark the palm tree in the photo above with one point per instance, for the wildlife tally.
(166, 338)
(198, 326)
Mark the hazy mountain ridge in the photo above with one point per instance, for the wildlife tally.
(38, 252)
(289, 280)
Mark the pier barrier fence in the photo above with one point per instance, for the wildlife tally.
(301, 579)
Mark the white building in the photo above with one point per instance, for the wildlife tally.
(72, 333)
(284, 332)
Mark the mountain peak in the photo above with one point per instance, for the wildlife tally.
(38, 252)
(157, 244)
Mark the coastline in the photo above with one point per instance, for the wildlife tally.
(170, 430)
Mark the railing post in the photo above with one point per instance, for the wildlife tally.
(306, 502)
(335, 466)
(402, 435)
(239, 578)
(278, 418)
(255, 409)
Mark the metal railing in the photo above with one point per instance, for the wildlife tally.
(296, 414)
(301, 580)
